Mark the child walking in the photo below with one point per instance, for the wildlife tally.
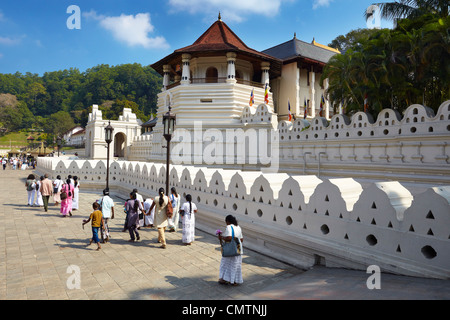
(97, 222)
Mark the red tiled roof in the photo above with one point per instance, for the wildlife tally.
(218, 38)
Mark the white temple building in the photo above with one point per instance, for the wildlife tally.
(326, 189)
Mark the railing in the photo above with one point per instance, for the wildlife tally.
(217, 80)
(173, 85)
(208, 80)
(250, 83)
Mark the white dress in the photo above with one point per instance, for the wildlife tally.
(76, 193)
(38, 200)
(188, 221)
(173, 222)
(150, 218)
(231, 267)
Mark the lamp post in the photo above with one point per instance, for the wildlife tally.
(169, 125)
(108, 139)
(58, 143)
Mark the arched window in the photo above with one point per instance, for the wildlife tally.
(211, 75)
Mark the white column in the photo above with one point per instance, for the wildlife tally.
(265, 67)
(231, 73)
(312, 92)
(298, 101)
(166, 79)
(327, 103)
(186, 72)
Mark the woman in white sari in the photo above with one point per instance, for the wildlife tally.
(57, 184)
(231, 267)
(187, 212)
(76, 192)
(39, 202)
(175, 200)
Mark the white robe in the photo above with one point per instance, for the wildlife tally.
(76, 193)
(188, 220)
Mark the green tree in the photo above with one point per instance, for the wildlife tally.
(59, 123)
(36, 97)
(411, 9)
(395, 68)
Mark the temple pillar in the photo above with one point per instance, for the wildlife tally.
(327, 102)
(312, 92)
(231, 73)
(186, 72)
(265, 67)
(166, 79)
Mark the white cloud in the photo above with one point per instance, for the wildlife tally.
(321, 3)
(131, 30)
(231, 10)
(9, 41)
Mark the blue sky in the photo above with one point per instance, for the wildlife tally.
(35, 37)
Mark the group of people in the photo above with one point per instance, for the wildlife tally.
(64, 192)
(18, 163)
(163, 212)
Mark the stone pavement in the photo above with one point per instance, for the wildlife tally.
(37, 248)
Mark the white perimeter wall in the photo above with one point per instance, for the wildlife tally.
(299, 219)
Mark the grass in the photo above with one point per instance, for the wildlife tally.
(17, 139)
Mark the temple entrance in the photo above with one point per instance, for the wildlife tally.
(119, 145)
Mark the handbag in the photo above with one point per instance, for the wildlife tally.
(232, 248)
(63, 195)
(169, 210)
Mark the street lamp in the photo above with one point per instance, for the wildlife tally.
(169, 125)
(58, 143)
(108, 139)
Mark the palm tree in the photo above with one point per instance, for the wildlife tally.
(410, 9)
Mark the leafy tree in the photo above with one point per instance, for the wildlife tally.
(75, 92)
(411, 9)
(59, 123)
(351, 39)
(394, 68)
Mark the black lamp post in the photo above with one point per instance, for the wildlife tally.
(169, 125)
(58, 143)
(108, 139)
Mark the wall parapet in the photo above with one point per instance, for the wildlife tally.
(298, 218)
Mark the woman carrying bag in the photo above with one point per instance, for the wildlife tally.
(66, 198)
(231, 239)
(30, 184)
(163, 211)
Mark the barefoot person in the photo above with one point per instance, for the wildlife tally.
(230, 271)
(161, 204)
(97, 221)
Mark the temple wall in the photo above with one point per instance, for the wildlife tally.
(414, 148)
(300, 219)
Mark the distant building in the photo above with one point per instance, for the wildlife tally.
(67, 136)
(78, 138)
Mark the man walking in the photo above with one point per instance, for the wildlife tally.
(46, 190)
(107, 208)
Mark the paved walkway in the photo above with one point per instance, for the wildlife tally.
(37, 248)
